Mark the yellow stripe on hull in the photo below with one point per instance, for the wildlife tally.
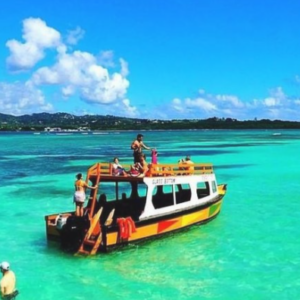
(167, 225)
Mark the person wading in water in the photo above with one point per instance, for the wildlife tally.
(8, 282)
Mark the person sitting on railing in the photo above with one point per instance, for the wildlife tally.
(144, 165)
(190, 168)
(187, 161)
(135, 169)
(117, 168)
(140, 168)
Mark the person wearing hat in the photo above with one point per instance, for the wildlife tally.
(8, 282)
(137, 146)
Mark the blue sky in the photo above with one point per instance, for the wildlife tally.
(157, 59)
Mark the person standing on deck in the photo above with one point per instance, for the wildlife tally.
(8, 282)
(137, 146)
(79, 195)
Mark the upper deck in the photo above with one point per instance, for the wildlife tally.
(104, 171)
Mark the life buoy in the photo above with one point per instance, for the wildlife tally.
(122, 227)
(126, 227)
(131, 226)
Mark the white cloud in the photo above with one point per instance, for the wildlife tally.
(19, 99)
(271, 101)
(278, 93)
(75, 35)
(68, 91)
(129, 110)
(38, 37)
(122, 108)
(201, 104)
(74, 73)
(277, 106)
(277, 98)
(105, 59)
(230, 100)
(124, 68)
(101, 81)
(177, 105)
(105, 91)
(79, 72)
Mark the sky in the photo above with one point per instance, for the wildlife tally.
(152, 59)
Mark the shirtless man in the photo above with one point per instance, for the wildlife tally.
(137, 146)
(8, 282)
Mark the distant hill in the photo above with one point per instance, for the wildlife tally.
(40, 121)
(63, 120)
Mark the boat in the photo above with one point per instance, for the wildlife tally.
(130, 209)
(64, 133)
(99, 133)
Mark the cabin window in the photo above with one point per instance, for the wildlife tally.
(202, 189)
(183, 193)
(123, 190)
(162, 196)
(214, 186)
(108, 188)
(142, 190)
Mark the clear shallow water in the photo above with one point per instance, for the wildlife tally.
(250, 251)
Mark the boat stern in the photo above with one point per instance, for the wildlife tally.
(54, 223)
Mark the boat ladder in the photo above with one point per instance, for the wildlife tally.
(93, 198)
(93, 237)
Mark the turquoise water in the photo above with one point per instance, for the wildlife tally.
(250, 251)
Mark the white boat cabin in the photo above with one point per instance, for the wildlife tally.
(161, 194)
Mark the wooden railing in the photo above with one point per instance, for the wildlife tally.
(179, 169)
(155, 170)
(100, 168)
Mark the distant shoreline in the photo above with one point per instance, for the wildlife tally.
(104, 132)
(63, 122)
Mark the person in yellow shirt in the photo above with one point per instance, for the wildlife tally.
(190, 163)
(187, 161)
(8, 282)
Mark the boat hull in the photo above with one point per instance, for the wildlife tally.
(112, 236)
(155, 228)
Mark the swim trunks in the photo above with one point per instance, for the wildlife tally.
(79, 196)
